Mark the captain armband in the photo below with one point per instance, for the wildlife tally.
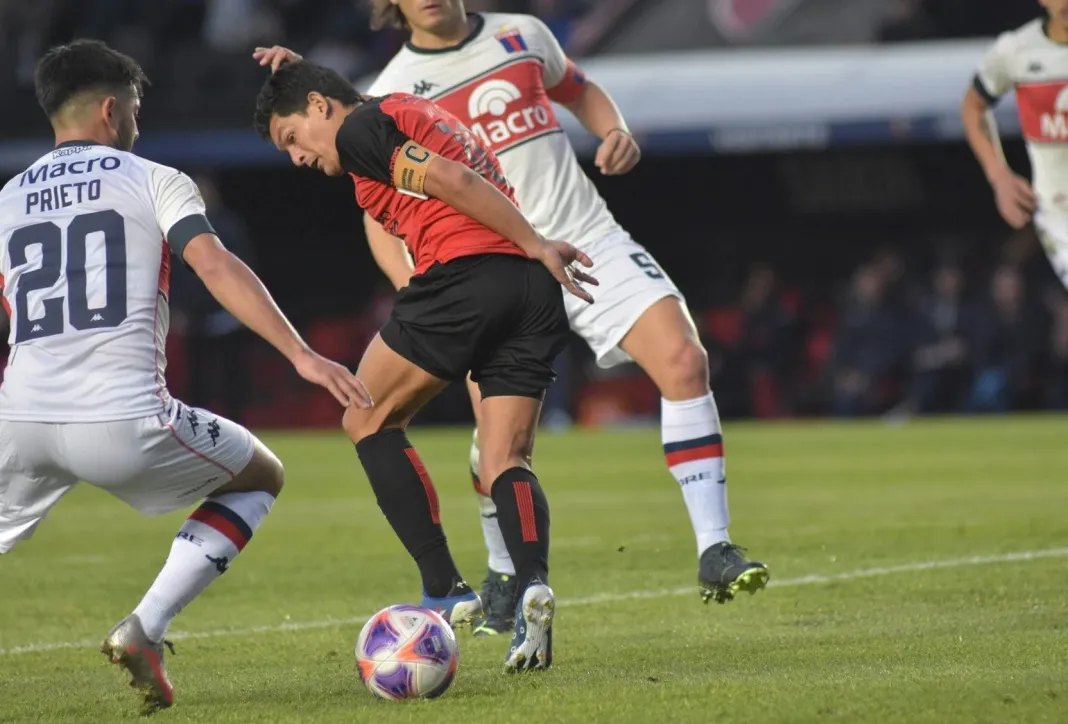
(409, 169)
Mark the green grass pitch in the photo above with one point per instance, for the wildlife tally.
(918, 575)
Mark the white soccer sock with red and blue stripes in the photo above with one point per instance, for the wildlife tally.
(206, 544)
(693, 447)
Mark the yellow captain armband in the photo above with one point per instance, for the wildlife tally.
(409, 169)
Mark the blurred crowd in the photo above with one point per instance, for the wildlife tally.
(197, 52)
(335, 32)
(164, 34)
(955, 336)
(907, 20)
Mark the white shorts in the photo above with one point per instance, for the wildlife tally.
(1053, 233)
(155, 464)
(630, 282)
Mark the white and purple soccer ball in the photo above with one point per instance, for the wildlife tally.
(407, 652)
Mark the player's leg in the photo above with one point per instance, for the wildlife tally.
(401, 483)
(513, 375)
(166, 463)
(1052, 232)
(640, 312)
(499, 586)
(211, 538)
(31, 483)
(507, 443)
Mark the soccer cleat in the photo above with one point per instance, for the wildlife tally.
(724, 572)
(128, 646)
(532, 642)
(498, 604)
(460, 608)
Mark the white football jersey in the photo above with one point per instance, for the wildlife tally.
(1026, 60)
(500, 82)
(85, 271)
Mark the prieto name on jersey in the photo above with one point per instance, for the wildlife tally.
(65, 194)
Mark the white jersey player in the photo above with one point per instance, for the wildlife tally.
(1033, 61)
(500, 74)
(86, 238)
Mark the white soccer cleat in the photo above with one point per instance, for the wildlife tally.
(532, 642)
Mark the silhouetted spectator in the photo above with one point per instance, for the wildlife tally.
(1005, 340)
(767, 344)
(1057, 354)
(940, 361)
(867, 347)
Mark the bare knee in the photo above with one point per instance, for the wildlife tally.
(359, 424)
(264, 473)
(491, 467)
(273, 476)
(685, 371)
(501, 455)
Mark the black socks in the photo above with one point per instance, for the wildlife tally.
(407, 498)
(523, 516)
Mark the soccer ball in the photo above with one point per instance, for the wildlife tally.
(407, 652)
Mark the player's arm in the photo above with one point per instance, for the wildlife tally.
(976, 114)
(590, 104)
(240, 292)
(1015, 199)
(390, 253)
(180, 213)
(470, 194)
(370, 145)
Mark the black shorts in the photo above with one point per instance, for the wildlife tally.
(501, 317)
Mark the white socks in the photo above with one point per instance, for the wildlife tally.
(206, 544)
(693, 447)
(499, 560)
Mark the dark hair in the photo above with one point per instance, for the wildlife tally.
(286, 92)
(384, 14)
(84, 66)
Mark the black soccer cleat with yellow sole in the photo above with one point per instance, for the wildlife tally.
(725, 572)
(498, 605)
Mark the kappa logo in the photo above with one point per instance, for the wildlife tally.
(422, 87)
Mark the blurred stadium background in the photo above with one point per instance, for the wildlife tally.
(804, 181)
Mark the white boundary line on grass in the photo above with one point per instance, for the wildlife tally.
(586, 600)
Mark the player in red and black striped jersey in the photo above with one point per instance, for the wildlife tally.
(485, 297)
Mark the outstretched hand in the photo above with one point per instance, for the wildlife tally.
(276, 56)
(559, 257)
(335, 378)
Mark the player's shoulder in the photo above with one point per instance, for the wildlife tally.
(398, 72)
(158, 174)
(33, 173)
(11, 185)
(1021, 38)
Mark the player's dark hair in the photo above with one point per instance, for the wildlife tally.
(84, 66)
(286, 92)
(384, 14)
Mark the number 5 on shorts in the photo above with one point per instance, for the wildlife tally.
(647, 265)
